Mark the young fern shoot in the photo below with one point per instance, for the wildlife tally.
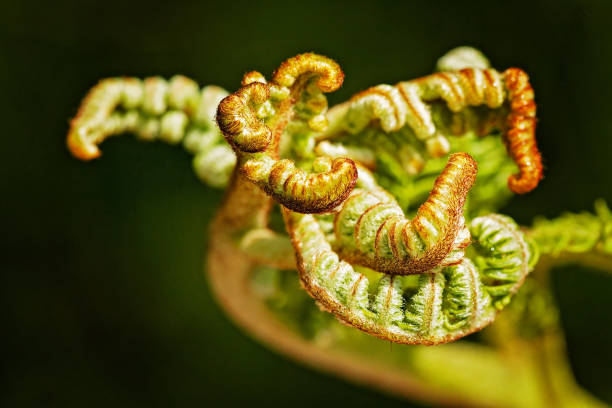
(388, 201)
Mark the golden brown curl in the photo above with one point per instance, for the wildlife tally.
(437, 227)
(330, 74)
(304, 192)
(239, 123)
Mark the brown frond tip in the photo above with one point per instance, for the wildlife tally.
(382, 238)
(78, 142)
(319, 192)
(79, 148)
(328, 70)
(304, 192)
(520, 135)
(239, 123)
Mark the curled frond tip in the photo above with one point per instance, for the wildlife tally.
(371, 228)
(520, 136)
(238, 121)
(329, 72)
(300, 190)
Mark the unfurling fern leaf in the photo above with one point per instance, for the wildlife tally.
(387, 199)
(173, 111)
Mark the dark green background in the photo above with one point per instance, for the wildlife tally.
(102, 291)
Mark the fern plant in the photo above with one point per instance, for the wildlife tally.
(385, 205)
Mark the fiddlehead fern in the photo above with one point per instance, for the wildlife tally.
(239, 122)
(412, 110)
(520, 138)
(328, 72)
(437, 307)
(264, 121)
(307, 193)
(371, 229)
(432, 277)
(453, 296)
(172, 111)
(255, 117)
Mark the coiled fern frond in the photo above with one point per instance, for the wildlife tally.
(173, 111)
(274, 128)
(437, 307)
(388, 202)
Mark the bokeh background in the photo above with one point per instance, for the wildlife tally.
(103, 294)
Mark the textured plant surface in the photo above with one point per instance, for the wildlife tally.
(388, 202)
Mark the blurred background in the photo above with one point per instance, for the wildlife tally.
(103, 294)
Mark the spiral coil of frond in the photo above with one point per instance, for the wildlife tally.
(371, 229)
(282, 145)
(255, 117)
(440, 307)
(411, 109)
(173, 111)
